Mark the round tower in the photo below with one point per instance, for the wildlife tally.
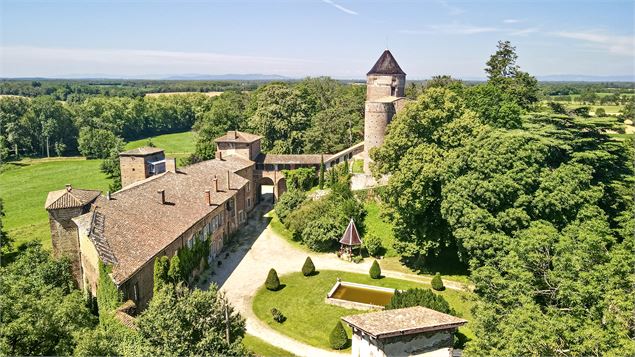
(385, 84)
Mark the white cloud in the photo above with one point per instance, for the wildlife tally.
(452, 10)
(452, 29)
(524, 32)
(340, 7)
(511, 21)
(25, 61)
(621, 45)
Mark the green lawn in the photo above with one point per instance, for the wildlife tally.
(375, 224)
(25, 184)
(310, 319)
(358, 166)
(177, 145)
(262, 348)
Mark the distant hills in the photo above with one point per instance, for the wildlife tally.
(276, 77)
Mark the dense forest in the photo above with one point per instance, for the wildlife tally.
(539, 205)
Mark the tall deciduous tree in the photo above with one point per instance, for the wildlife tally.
(182, 322)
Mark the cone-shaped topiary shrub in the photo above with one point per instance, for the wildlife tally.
(437, 283)
(338, 338)
(375, 270)
(272, 283)
(308, 268)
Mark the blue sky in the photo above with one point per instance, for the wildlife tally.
(337, 38)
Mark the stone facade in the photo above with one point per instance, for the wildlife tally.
(64, 236)
(136, 165)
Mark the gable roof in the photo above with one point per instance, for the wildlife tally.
(142, 151)
(351, 236)
(407, 321)
(133, 227)
(70, 197)
(386, 64)
(235, 136)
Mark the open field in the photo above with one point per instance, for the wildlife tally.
(177, 145)
(25, 184)
(209, 94)
(310, 320)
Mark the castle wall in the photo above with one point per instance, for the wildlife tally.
(90, 262)
(137, 168)
(378, 116)
(378, 86)
(64, 237)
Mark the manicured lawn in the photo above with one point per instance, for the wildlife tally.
(176, 145)
(262, 348)
(310, 319)
(25, 184)
(377, 225)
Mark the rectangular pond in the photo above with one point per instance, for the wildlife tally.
(359, 296)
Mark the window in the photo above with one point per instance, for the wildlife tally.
(249, 202)
(135, 292)
(248, 186)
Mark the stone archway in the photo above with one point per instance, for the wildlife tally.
(281, 187)
(266, 189)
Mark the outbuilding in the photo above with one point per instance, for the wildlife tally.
(412, 331)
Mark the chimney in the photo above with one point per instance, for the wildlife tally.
(219, 155)
(229, 185)
(215, 184)
(69, 188)
(108, 195)
(161, 196)
(208, 198)
(235, 134)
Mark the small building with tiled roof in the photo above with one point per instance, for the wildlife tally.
(403, 332)
(350, 238)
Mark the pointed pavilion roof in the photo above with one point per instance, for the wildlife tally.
(386, 64)
(351, 236)
(70, 197)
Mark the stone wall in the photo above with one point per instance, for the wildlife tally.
(378, 86)
(137, 168)
(378, 116)
(64, 237)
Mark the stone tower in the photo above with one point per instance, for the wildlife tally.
(141, 163)
(62, 207)
(385, 84)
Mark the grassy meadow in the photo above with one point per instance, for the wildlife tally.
(310, 319)
(261, 348)
(24, 184)
(177, 145)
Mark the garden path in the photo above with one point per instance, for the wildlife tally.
(244, 270)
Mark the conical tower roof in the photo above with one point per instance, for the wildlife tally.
(351, 236)
(386, 64)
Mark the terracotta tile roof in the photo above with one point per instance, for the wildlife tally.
(405, 321)
(351, 236)
(386, 64)
(308, 159)
(70, 197)
(137, 226)
(142, 151)
(234, 136)
(234, 162)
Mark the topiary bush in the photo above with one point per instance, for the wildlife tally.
(437, 283)
(372, 243)
(308, 268)
(357, 259)
(272, 283)
(278, 316)
(375, 270)
(338, 338)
